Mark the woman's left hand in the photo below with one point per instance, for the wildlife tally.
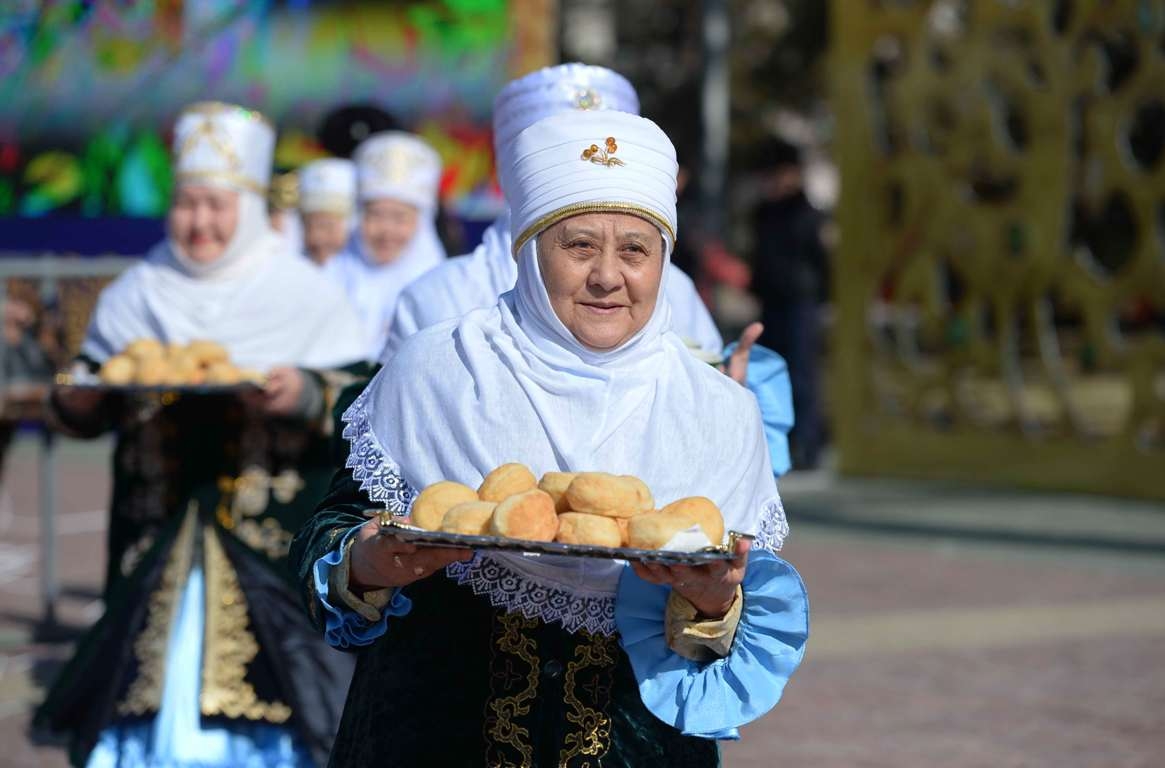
(737, 367)
(710, 588)
(280, 394)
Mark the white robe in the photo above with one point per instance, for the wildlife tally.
(373, 289)
(266, 307)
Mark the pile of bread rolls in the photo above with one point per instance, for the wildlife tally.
(150, 363)
(569, 507)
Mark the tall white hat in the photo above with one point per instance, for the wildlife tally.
(574, 163)
(328, 186)
(563, 88)
(398, 166)
(222, 144)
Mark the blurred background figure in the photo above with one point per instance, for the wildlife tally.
(789, 278)
(327, 207)
(398, 177)
(208, 488)
(282, 200)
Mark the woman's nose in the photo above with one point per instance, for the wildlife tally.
(606, 274)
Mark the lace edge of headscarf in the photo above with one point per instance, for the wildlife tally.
(774, 528)
(515, 592)
(376, 471)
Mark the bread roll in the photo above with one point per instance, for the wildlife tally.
(184, 369)
(600, 493)
(207, 352)
(431, 505)
(701, 511)
(145, 349)
(556, 483)
(222, 373)
(655, 529)
(470, 517)
(152, 372)
(528, 515)
(624, 524)
(118, 370)
(579, 528)
(505, 481)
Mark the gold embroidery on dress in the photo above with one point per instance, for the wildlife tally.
(248, 496)
(592, 739)
(511, 645)
(145, 693)
(230, 646)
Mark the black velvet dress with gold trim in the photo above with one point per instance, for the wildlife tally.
(206, 480)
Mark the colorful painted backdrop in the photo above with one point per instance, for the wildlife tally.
(88, 90)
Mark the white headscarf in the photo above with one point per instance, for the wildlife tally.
(477, 279)
(393, 166)
(511, 383)
(266, 308)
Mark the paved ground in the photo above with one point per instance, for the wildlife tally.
(951, 627)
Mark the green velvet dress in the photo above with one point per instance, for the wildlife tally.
(202, 479)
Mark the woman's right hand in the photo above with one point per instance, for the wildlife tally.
(378, 561)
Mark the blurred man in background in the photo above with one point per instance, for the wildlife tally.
(789, 277)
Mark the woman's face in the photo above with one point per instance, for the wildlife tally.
(324, 235)
(602, 272)
(387, 227)
(203, 220)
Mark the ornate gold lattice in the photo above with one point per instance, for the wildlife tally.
(1001, 273)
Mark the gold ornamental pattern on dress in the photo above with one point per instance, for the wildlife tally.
(604, 155)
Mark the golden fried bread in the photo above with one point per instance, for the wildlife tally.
(624, 524)
(222, 373)
(145, 349)
(655, 529)
(184, 369)
(470, 517)
(600, 493)
(207, 352)
(118, 370)
(528, 515)
(505, 481)
(556, 483)
(580, 528)
(151, 372)
(431, 505)
(701, 511)
(652, 530)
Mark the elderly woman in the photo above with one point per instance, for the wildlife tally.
(202, 657)
(477, 279)
(327, 206)
(398, 178)
(502, 659)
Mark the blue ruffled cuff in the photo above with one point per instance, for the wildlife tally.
(344, 627)
(768, 379)
(712, 700)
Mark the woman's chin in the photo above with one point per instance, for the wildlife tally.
(601, 339)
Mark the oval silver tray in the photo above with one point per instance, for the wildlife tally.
(390, 526)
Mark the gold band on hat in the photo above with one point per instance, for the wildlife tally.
(228, 177)
(577, 209)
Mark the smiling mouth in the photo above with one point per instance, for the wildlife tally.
(603, 309)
